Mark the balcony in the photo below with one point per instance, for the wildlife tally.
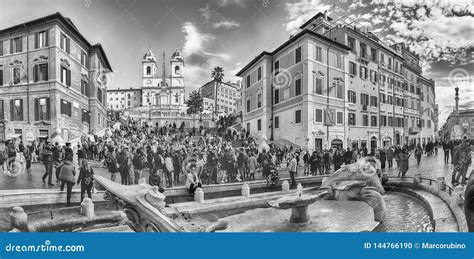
(414, 130)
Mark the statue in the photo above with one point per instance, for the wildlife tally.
(357, 181)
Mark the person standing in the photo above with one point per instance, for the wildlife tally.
(27, 154)
(169, 169)
(86, 179)
(212, 162)
(292, 169)
(382, 158)
(252, 165)
(192, 181)
(47, 157)
(403, 159)
(418, 153)
(139, 162)
(111, 161)
(446, 149)
(389, 152)
(67, 175)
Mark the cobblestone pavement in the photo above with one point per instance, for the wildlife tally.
(430, 167)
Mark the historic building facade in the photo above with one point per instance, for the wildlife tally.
(353, 90)
(51, 78)
(458, 126)
(120, 99)
(228, 95)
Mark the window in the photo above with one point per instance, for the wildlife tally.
(259, 100)
(318, 53)
(276, 121)
(65, 76)
(259, 73)
(364, 99)
(363, 50)
(248, 105)
(41, 39)
(318, 86)
(1, 48)
(298, 116)
(383, 120)
(148, 70)
(373, 76)
(339, 90)
(365, 120)
(382, 98)
(277, 67)
(298, 55)
(298, 87)
(276, 96)
(248, 127)
(363, 72)
(338, 61)
(16, 109)
(86, 117)
(83, 58)
(373, 121)
(1, 77)
(2, 110)
(176, 98)
(373, 54)
(351, 118)
(85, 88)
(40, 72)
(176, 70)
(318, 115)
(66, 108)
(15, 45)
(351, 43)
(351, 95)
(259, 125)
(339, 116)
(382, 59)
(16, 75)
(352, 68)
(248, 81)
(42, 109)
(373, 101)
(65, 43)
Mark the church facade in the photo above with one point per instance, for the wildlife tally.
(163, 89)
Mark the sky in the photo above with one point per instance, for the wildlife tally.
(230, 33)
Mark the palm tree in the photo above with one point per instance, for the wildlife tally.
(218, 75)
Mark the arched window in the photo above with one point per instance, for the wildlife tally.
(176, 69)
(148, 70)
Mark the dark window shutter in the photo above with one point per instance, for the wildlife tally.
(48, 109)
(12, 103)
(2, 112)
(69, 109)
(68, 77)
(11, 46)
(46, 40)
(61, 72)
(61, 44)
(20, 47)
(46, 72)
(37, 110)
(68, 46)
(35, 73)
(21, 109)
(1, 77)
(36, 40)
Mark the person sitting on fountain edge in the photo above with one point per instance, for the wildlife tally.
(193, 182)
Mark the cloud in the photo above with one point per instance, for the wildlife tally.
(206, 12)
(240, 3)
(300, 12)
(194, 39)
(227, 24)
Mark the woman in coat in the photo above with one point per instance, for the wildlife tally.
(67, 176)
(389, 153)
(86, 179)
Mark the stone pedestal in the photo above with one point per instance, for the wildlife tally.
(299, 214)
(199, 195)
(285, 187)
(245, 190)
(87, 208)
(19, 219)
(155, 198)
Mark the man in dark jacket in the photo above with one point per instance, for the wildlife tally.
(48, 164)
(212, 162)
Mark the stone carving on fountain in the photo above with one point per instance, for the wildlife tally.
(142, 204)
(357, 181)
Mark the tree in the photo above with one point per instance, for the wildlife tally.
(218, 75)
(194, 103)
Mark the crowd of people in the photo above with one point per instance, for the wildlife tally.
(170, 156)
